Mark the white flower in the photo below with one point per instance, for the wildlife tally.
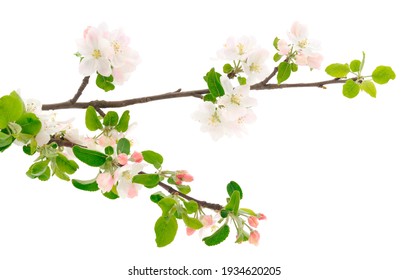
(212, 120)
(237, 49)
(299, 37)
(235, 101)
(125, 186)
(96, 51)
(255, 66)
(130, 60)
(238, 126)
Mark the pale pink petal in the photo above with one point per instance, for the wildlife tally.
(283, 47)
(88, 66)
(104, 67)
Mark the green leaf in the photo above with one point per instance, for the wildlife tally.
(191, 206)
(248, 211)
(218, 236)
(148, 180)
(185, 189)
(369, 87)
(158, 196)
(337, 70)
(209, 97)
(60, 174)
(294, 67)
(37, 168)
(192, 222)
(123, 122)
(284, 72)
(355, 65)
(233, 186)
(123, 146)
(5, 139)
(234, 202)
(227, 68)
(277, 57)
(109, 150)
(91, 119)
(89, 157)
(275, 43)
(11, 109)
(350, 89)
(165, 230)
(242, 81)
(105, 83)
(214, 84)
(29, 123)
(153, 158)
(111, 195)
(46, 175)
(66, 165)
(382, 74)
(30, 148)
(166, 204)
(88, 185)
(111, 119)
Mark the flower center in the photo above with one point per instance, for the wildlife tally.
(303, 43)
(234, 99)
(240, 48)
(116, 46)
(255, 67)
(127, 175)
(214, 119)
(96, 54)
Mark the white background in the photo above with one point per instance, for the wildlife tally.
(330, 173)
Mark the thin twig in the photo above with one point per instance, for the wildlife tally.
(80, 90)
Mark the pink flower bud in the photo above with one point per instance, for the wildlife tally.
(254, 237)
(190, 231)
(183, 176)
(137, 157)
(207, 221)
(122, 159)
(261, 217)
(253, 221)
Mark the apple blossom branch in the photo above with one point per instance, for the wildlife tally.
(176, 94)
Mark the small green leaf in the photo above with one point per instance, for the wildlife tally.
(37, 168)
(191, 206)
(111, 119)
(242, 81)
(5, 139)
(110, 195)
(156, 197)
(284, 72)
(277, 57)
(166, 204)
(185, 189)
(227, 68)
(369, 87)
(165, 230)
(233, 186)
(46, 175)
(350, 89)
(11, 109)
(214, 84)
(105, 83)
(234, 202)
(355, 65)
(294, 67)
(153, 158)
(88, 185)
(123, 122)
(248, 211)
(109, 150)
(90, 157)
(148, 180)
(123, 146)
(60, 174)
(91, 119)
(337, 70)
(29, 123)
(66, 165)
(382, 74)
(275, 43)
(192, 222)
(218, 236)
(210, 98)
(30, 148)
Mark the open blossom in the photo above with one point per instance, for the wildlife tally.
(95, 50)
(105, 181)
(212, 120)
(237, 49)
(298, 35)
(125, 187)
(255, 66)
